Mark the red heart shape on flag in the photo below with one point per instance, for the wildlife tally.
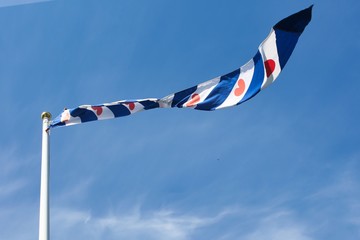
(98, 110)
(241, 87)
(195, 98)
(131, 106)
(269, 66)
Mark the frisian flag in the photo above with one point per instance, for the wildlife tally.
(224, 91)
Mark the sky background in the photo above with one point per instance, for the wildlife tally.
(284, 165)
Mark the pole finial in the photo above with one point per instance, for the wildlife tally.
(46, 115)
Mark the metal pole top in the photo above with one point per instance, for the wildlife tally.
(45, 115)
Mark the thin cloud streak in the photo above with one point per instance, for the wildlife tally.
(11, 3)
(8, 189)
(162, 224)
(167, 224)
(279, 226)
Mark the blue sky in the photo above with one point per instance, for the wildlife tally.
(284, 165)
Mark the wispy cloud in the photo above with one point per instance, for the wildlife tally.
(7, 189)
(17, 209)
(343, 196)
(24, 216)
(11, 181)
(280, 226)
(161, 224)
(9, 3)
(168, 224)
(73, 192)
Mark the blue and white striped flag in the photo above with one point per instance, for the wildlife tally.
(224, 91)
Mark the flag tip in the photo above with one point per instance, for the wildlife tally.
(311, 7)
(296, 22)
(45, 115)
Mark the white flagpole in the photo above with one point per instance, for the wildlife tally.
(44, 223)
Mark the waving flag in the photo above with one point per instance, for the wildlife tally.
(224, 91)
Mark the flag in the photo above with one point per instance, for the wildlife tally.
(224, 91)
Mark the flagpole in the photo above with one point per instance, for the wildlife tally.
(44, 223)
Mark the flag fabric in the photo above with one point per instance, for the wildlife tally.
(224, 91)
